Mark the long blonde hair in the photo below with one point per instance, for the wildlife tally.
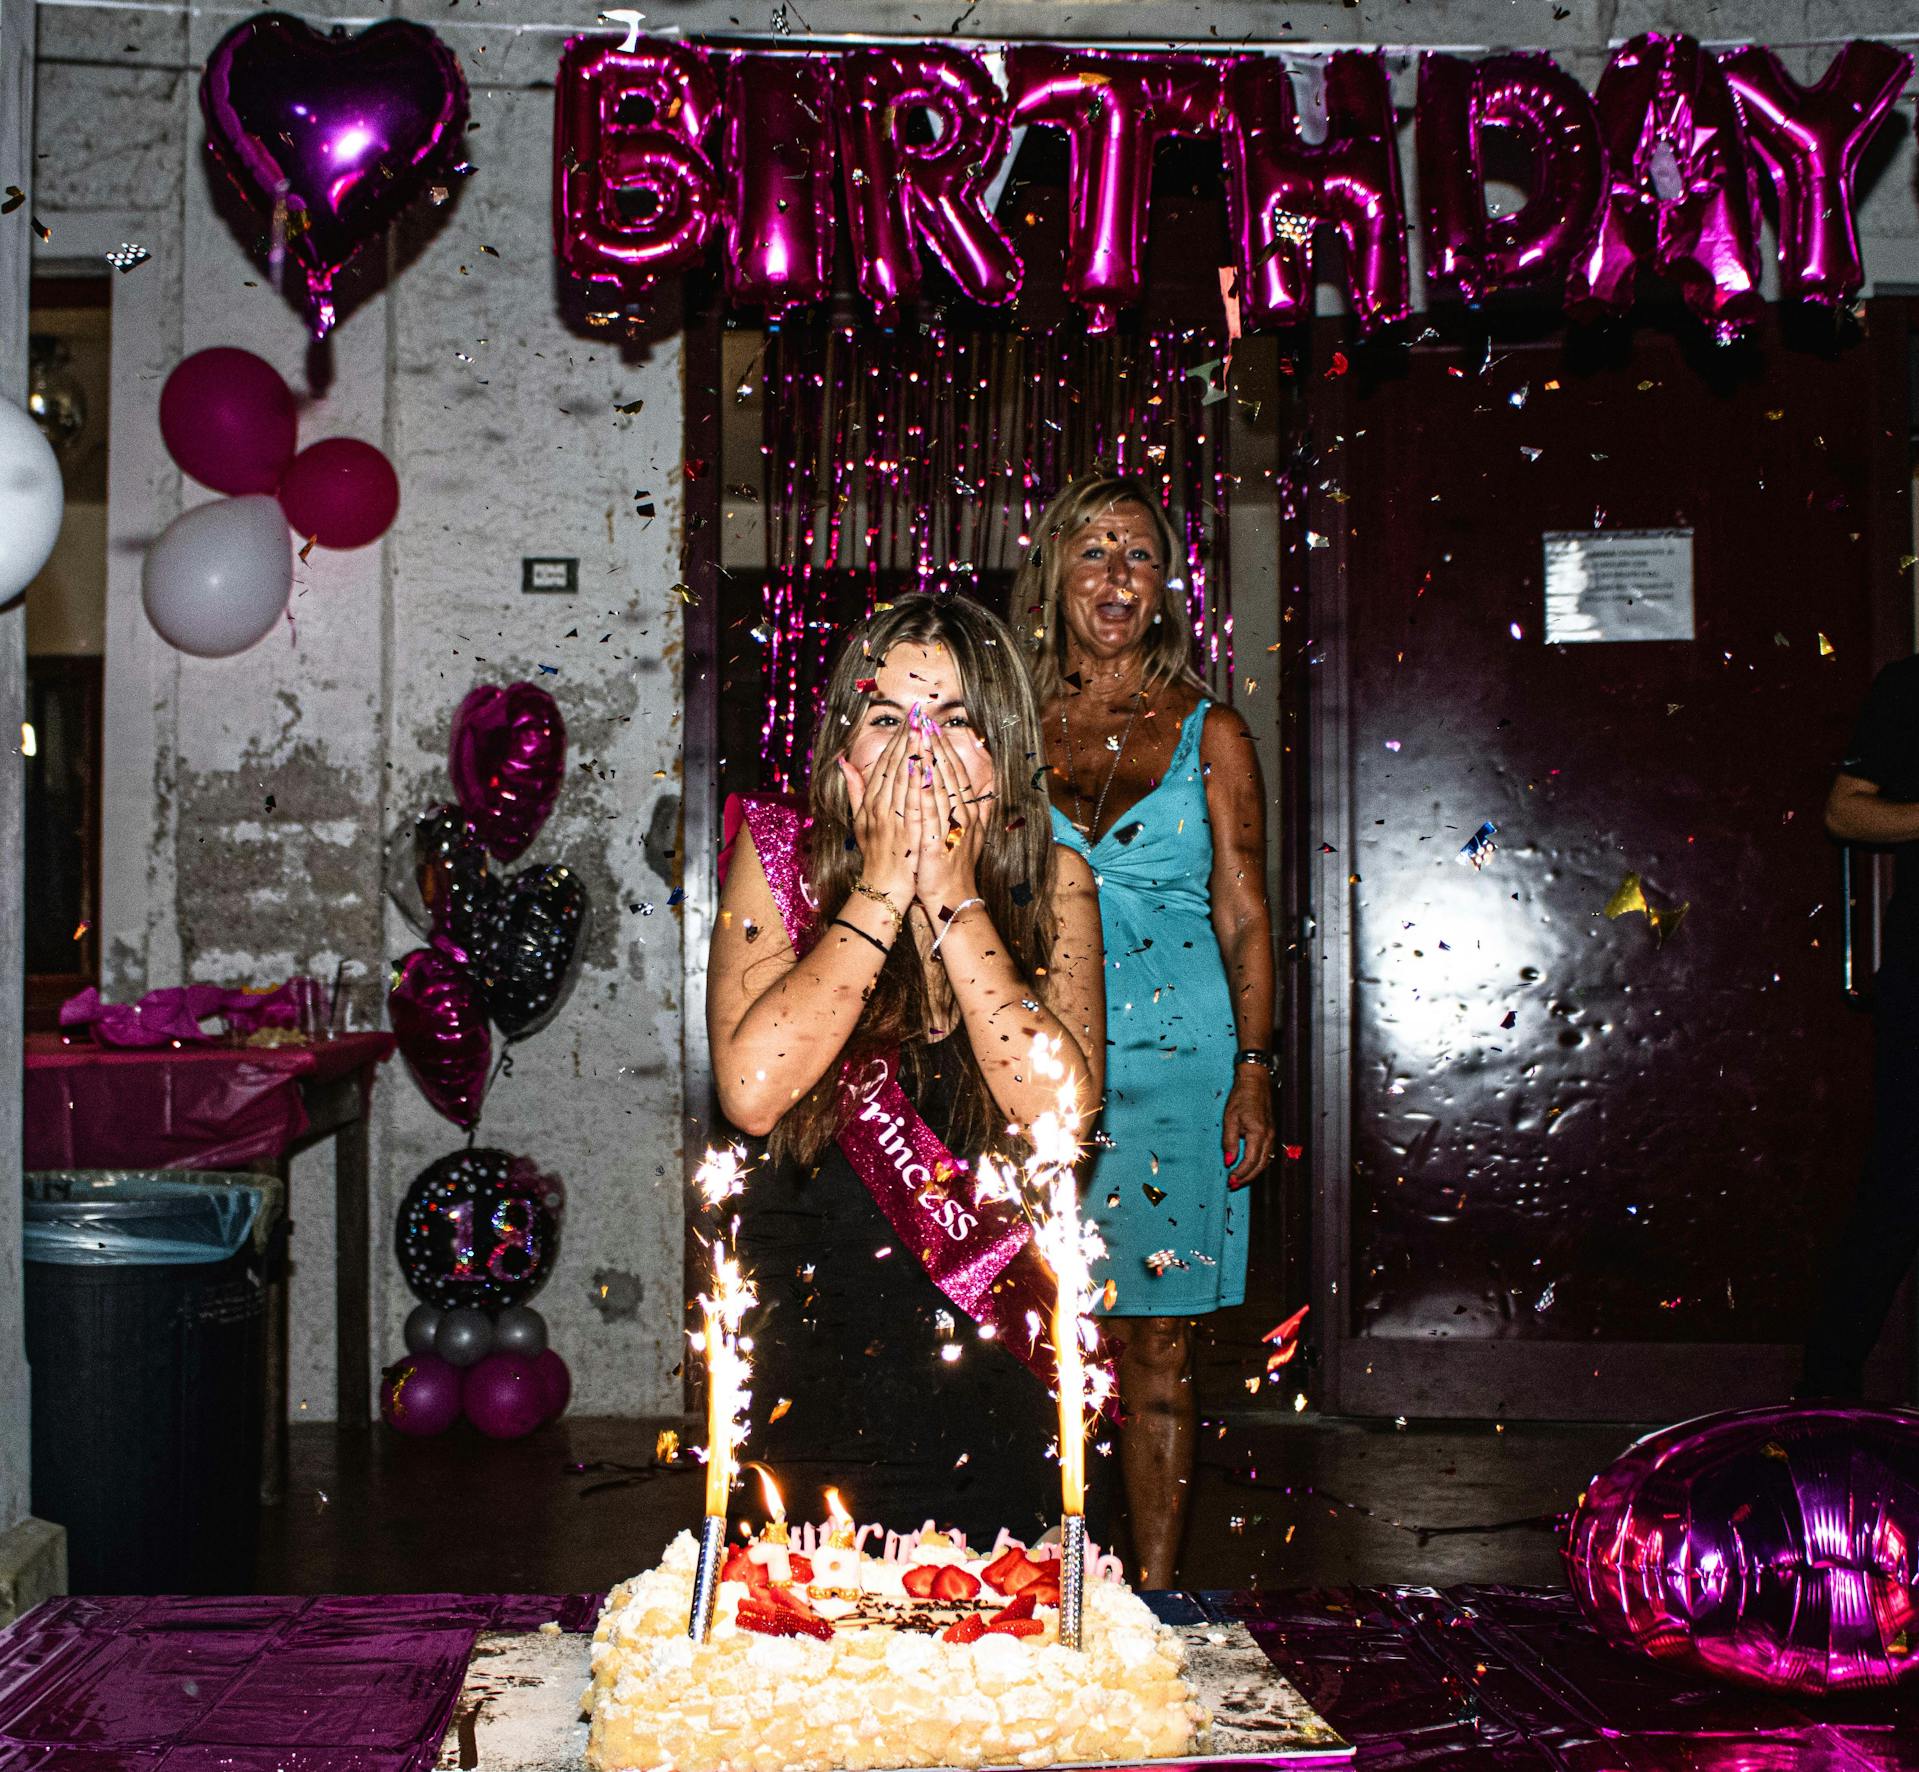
(1016, 865)
(1037, 604)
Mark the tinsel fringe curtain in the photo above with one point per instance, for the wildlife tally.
(921, 461)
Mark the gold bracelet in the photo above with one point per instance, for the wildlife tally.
(880, 898)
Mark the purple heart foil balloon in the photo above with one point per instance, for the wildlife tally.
(507, 757)
(329, 137)
(439, 1022)
(1772, 1546)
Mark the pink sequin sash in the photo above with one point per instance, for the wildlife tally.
(980, 1255)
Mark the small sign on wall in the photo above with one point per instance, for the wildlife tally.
(552, 576)
(1618, 584)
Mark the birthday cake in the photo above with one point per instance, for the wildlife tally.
(929, 1654)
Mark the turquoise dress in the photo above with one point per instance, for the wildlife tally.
(1158, 1188)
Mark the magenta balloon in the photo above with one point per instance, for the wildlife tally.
(1774, 1546)
(507, 757)
(779, 163)
(1681, 195)
(420, 1396)
(902, 194)
(1280, 187)
(634, 195)
(1552, 119)
(556, 1382)
(228, 419)
(504, 1396)
(439, 1021)
(342, 492)
(1810, 140)
(329, 137)
(1115, 109)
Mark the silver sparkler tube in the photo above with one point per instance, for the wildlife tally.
(1072, 1577)
(706, 1577)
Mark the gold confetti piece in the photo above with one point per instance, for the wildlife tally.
(15, 197)
(1110, 1296)
(1826, 647)
(1153, 1194)
(1630, 896)
(780, 1408)
(631, 407)
(666, 1447)
(312, 542)
(489, 251)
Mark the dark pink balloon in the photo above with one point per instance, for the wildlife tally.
(439, 1020)
(1810, 139)
(903, 194)
(1681, 196)
(1553, 122)
(1772, 1546)
(342, 492)
(779, 161)
(504, 1396)
(228, 419)
(1115, 109)
(556, 1382)
(329, 137)
(1280, 187)
(507, 757)
(420, 1396)
(634, 194)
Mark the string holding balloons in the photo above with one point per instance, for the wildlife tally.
(656, 153)
(505, 951)
(217, 579)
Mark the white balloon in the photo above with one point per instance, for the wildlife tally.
(32, 500)
(219, 577)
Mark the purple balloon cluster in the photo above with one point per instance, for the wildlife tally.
(1657, 170)
(499, 1373)
(505, 951)
(1771, 1546)
(328, 138)
(218, 578)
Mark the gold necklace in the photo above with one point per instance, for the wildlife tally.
(1072, 768)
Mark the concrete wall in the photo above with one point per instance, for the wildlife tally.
(247, 799)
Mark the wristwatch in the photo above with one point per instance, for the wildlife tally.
(1259, 1055)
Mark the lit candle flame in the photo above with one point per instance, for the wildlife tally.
(841, 1522)
(775, 1504)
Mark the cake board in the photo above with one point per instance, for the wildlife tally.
(519, 1707)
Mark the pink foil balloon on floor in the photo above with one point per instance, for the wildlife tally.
(329, 137)
(1772, 1546)
(507, 757)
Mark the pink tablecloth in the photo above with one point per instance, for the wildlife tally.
(190, 1107)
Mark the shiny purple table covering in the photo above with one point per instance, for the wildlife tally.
(1503, 1679)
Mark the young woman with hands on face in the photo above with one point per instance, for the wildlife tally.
(939, 928)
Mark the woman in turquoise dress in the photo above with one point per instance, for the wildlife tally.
(1159, 787)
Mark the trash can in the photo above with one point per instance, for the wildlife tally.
(146, 1339)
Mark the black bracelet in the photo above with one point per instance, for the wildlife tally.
(841, 923)
(1259, 1055)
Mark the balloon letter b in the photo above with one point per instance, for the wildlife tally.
(1281, 186)
(897, 190)
(633, 195)
(1470, 254)
(1810, 142)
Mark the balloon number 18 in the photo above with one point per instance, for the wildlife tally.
(479, 1228)
(515, 1251)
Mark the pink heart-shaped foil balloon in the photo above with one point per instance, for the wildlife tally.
(507, 757)
(330, 137)
(439, 1021)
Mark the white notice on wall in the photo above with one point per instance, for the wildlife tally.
(1619, 584)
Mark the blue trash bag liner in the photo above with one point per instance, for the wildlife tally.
(121, 1218)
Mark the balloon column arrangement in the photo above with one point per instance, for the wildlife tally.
(477, 1236)
(479, 1230)
(218, 578)
(1771, 1546)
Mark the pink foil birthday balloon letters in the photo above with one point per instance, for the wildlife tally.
(1115, 109)
(779, 169)
(634, 194)
(1551, 118)
(900, 193)
(1809, 141)
(1680, 192)
(1280, 186)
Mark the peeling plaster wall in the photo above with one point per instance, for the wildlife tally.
(248, 798)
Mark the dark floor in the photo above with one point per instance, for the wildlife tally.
(1296, 1501)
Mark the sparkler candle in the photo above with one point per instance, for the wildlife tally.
(722, 1311)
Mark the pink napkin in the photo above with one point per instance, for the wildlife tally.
(175, 1013)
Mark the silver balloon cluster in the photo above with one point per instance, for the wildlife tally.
(464, 1337)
